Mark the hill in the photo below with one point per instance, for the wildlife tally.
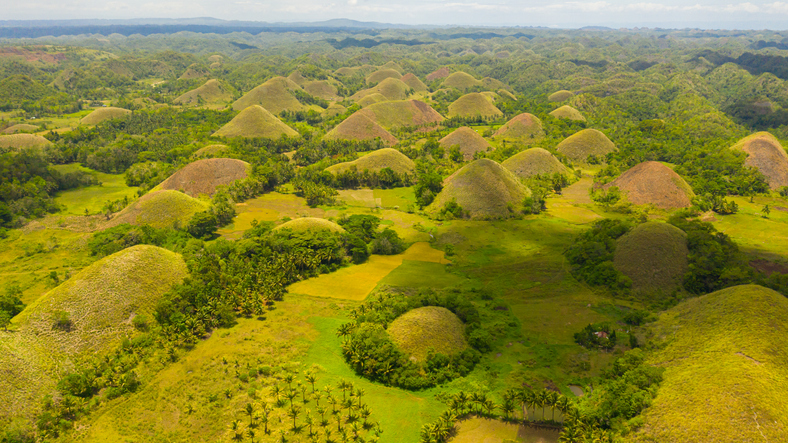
(204, 176)
(560, 96)
(322, 89)
(22, 127)
(438, 74)
(726, 371)
(100, 302)
(382, 74)
(310, 224)
(484, 189)
(413, 82)
(334, 109)
(360, 127)
(274, 95)
(460, 80)
(194, 71)
(377, 160)
(22, 141)
(534, 161)
(210, 151)
(474, 105)
(524, 127)
(160, 209)
(468, 140)
(255, 121)
(568, 113)
(212, 92)
(506, 95)
(431, 327)
(656, 184)
(654, 256)
(766, 154)
(391, 88)
(371, 99)
(401, 114)
(104, 114)
(581, 145)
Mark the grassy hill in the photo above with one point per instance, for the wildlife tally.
(212, 92)
(310, 224)
(460, 80)
(654, 256)
(22, 141)
(194, 71)
(656, 184)
(438, 74)
(100, 302)
(430, 327)
(468, 140)
(484, 189)
(104, 114)
(274, 95)
(334, 109)
(534, 161)
(382, 74)
(765, 153)
(360, 127)
(568, 113)
(204, 176)
(322, 89)
(377, 160)
(579, 146)
(401, 114)
(560, 96)
(413, 82)
(22, 127)
(524, 128)
(371, 99)
(255, 121)
(726, 369)
(210, 151)
(473, 105)
(160, 209)
(391, 88)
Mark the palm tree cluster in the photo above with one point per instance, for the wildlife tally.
(321, 415)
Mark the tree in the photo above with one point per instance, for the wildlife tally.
(293, 413)
(202, 225)
(5, 320)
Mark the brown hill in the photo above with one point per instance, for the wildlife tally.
(273, 95)
(656, 184)
(104, 114)
(414, 82)
(382, 74)
(438, 74)
(468, 140)
(473, 105)
(255, 121)
(212, 92)
(377, 160)
(360, 127)
(322, 89)
(581, 145)
(194, 71)
(568, 113)
(534, 161)
(204, 176)
(391, 88)
(460, 80)
(523, 128)
(22, 127)
(21, 141)
(766, 154)
(400, 114)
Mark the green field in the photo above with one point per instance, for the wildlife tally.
(92, 198)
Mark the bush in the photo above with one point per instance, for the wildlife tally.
(62, 321)
(140, 322)
(202, 225)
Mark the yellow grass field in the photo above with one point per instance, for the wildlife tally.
(356, 282)
(475, 430)
(563, 208)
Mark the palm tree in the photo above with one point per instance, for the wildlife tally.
(293, 413)
(542, 399)
(289, 380)
(507, 407)
(264, 421)
(309, 422)
(276, 391)
(571, 434)
(249, 410)
(311, 379)
(553, 399)
(563, 405)
(489, 406)
(532, 400)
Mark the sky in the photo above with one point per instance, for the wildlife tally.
(557, 13)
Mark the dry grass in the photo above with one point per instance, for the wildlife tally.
(654, 256)
(310, 224)
(382, 74)
(371, 99)
(160, 209)
(273, 95)
(400, 114)
(360, 127)
(468, 140)
(460, 80)
(377, 160)
(23, 141)
(210, 151)
(522, 128)
(391, 88)
(334, 109)
(104, 114)
(212, 92)
(581, 145)
(506, 95)
(22, 127)
(534, 161)
(204, 176)
(568, 113)
(486, 430)
(473, 105)
(429, 328)
(194, 71)
(656, 184)
(438, 74)
(255, 121)
(321, 89)
(560, 96)
(484, 189)
(413, 82)
(726, 369)
(765, 153)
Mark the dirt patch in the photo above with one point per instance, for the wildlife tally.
(749, 358)
(769, 267)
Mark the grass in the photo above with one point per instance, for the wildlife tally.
(420, 274)
(460, 80)
(524, 128)
(725, 369)
(473, 105)
(655, 184)
(395, 198)
(377, 160)
(160, 209)
(418, 331)
(391, 88)
(92, 198)
(210, 151)
(203, 177)
(475, 429)
(310, 224)
(439, 73)
(22, 127)
(274, 95)
(484, 189)
(654, 255)
(402, 113)
(272, 206)
(104, 114)
(23, 141)
(382, 74)
(360, 127)
(468, 140)
(568, 113)
(534, 161)
(357, 282)
(752, 231)
(560, 96)
(212, 92)
(414, 83)
(581, 145)
(765, 153)
(255, 121)
(321, 89)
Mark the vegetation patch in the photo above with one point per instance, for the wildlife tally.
(766, 154)
(654, 183)
(275, 95)
(104, 114)
(586, 144)
(468, 141)
(474, 105)
(360, 127)
(533, 162)
(255, 122)
(430, 329)
(160, 209)
(568, 113)
(654, 255)
(202, 177)
(524, 128)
